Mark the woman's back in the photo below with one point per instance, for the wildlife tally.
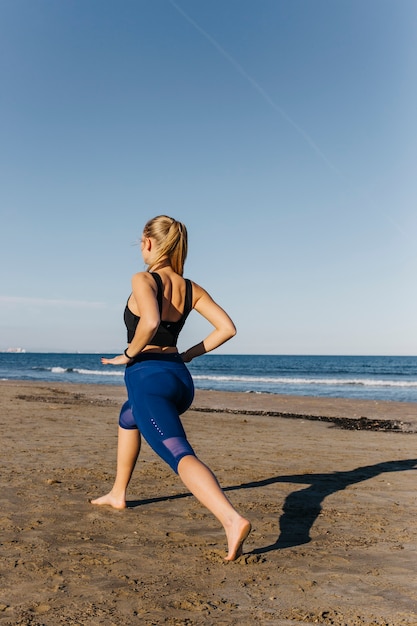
(174, 292)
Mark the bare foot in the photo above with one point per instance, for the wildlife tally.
(110, 500)
(236, 536)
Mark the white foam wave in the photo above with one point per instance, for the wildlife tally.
(112, 372)
(254, 380)
(84, 372)
(364, 382)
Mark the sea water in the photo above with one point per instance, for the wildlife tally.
(362, 377)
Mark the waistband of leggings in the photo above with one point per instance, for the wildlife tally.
(167, 357)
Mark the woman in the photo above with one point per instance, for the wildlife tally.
(158, 383)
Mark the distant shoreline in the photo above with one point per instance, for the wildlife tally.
(220, 354)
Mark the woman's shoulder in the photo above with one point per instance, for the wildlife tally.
(142, 276)
(197, 290)
(195, 286)
(143, 279)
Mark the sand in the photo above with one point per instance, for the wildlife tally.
(329, 485)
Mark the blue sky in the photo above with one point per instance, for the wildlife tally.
(282, 132)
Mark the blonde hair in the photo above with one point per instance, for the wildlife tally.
(171, 240)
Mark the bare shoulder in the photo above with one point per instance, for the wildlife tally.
(142, 280)
(200, 294)
(198, 290)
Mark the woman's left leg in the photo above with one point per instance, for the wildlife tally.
(128, 448)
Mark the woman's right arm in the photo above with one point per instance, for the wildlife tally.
(224, 328)
(144, 294)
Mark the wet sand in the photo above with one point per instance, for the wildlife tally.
(328, 484)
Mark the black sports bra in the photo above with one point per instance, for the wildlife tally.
(167, 333)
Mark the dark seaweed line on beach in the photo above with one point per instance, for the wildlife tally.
(346, 423)
(76, 399)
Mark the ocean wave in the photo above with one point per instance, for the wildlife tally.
(83, 372)
(249, 381)
(112, 372)
(359, 382)
(376, 378)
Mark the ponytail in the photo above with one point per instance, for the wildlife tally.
(171, 240)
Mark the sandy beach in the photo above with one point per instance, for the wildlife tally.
(329, 486)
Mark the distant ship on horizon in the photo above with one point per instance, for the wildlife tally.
(15, 350)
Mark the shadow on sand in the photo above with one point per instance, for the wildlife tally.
(302, 507)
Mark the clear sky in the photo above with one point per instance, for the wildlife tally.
(282, 132)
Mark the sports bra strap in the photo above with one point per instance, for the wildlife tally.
(188, 306)
(160, 287)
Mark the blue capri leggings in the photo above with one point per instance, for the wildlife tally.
(159, 389)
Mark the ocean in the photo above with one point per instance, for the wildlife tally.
(363, 377)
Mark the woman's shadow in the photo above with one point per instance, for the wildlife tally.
(301, 508)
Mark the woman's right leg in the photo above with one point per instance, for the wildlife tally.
(128, 448)
(203, 484)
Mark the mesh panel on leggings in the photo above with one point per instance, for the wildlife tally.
(178, 446)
